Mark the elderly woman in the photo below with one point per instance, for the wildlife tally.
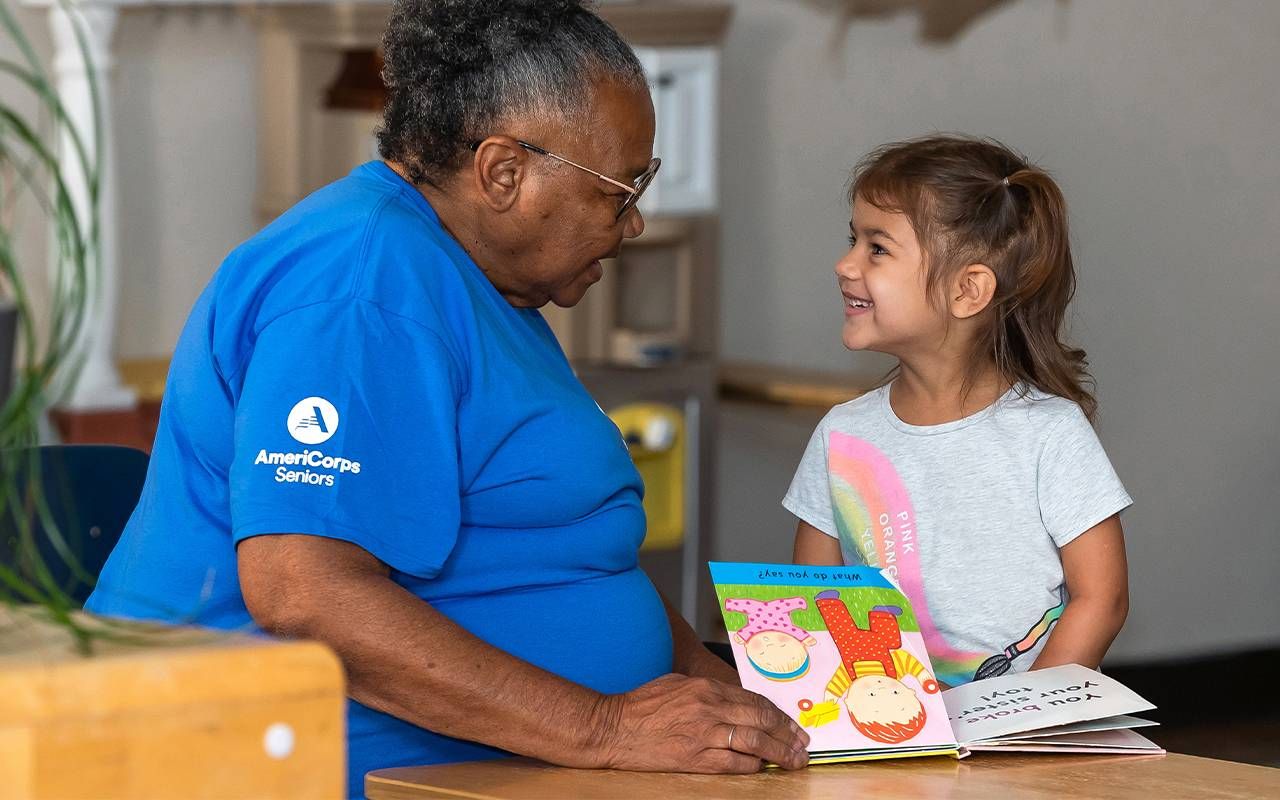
(370, 436)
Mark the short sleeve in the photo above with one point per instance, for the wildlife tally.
(809, 497)
(345, 427)
(1076, 484)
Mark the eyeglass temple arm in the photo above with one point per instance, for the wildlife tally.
(605, 178)
(549, 154)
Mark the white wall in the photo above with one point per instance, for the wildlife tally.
(1159, 119)
(186, 117)
(22, 216)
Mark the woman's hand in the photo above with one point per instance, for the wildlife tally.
(681, 724)
(325, 589)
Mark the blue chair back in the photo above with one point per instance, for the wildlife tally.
(90, 489)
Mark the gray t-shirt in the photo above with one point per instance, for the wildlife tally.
(966, 517)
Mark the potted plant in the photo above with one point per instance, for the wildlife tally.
(33, 172)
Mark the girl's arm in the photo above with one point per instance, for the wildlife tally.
(1097, 577)
(815, 547)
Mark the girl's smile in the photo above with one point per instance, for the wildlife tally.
(855, 305)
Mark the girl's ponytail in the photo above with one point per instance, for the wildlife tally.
(1032, 313)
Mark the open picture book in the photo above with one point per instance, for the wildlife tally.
(839, 649)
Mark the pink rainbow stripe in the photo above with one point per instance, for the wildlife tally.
(868, 495)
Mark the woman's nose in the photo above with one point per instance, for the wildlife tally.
(632, 223)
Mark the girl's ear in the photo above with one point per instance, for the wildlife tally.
(972, 291)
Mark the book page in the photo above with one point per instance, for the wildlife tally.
(1032, 701)
(1122, 722)
(1114, 741)
(839, 650)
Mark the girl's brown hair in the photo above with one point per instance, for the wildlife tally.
(975, 201)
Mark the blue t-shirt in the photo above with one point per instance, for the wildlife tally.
(349, 372)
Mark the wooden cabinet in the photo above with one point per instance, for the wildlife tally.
(683, 82)
(167, 712)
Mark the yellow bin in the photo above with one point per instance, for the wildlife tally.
(654, 434)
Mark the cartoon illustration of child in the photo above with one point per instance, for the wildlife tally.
(776, 646)
(869, 678)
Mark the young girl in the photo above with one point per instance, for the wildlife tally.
(974, 478)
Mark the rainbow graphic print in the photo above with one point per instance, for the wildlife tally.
(877, 526)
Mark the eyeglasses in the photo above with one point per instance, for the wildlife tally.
(634, 190)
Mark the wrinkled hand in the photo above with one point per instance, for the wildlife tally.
(681, 724)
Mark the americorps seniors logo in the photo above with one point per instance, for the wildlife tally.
(313, 420)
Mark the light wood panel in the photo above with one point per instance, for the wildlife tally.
(980, 777)
(789, 386)
(171, 712)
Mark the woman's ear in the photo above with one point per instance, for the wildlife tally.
(499, 167)
(972, 291)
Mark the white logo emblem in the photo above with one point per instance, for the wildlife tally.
(313, 420)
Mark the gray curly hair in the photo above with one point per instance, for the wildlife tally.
(455, 67)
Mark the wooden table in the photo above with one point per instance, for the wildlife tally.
(984, 776)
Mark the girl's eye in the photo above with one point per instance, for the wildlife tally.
(876, 250)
